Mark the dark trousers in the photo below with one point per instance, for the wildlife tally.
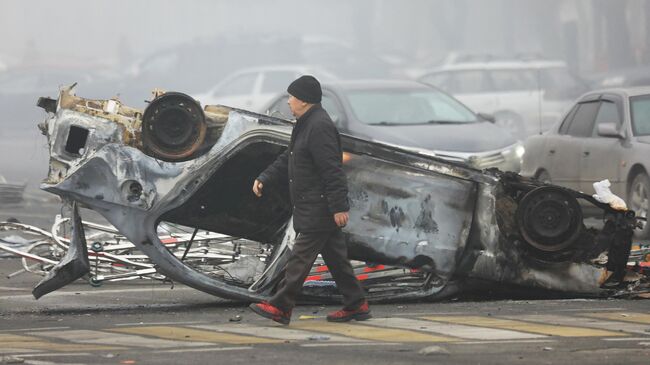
(331, 245)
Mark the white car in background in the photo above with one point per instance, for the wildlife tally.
(526, 97)
(252, 88)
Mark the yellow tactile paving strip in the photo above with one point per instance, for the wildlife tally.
(189, 334)
(453, 330)
(599, 323)
(545, 329)
(370, 333)
(278, 332)
(117, 339)
(623, 316)
(8, 341)
(444, 328)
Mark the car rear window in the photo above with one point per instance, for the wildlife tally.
(468, 82)
(561, 81)
(640, 110)
(513, 80)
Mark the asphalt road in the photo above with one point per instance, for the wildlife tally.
(148, 322)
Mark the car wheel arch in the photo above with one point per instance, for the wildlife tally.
(635, 170)
(638, 170)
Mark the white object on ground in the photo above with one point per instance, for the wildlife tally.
(604, 195)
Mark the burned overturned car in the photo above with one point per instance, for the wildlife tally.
(432, 227)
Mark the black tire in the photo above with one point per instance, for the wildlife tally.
(549, 220)
(637, 200)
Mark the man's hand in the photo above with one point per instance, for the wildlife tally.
(257, 188)
(341, 218)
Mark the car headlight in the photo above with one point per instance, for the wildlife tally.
(520, 150)
(513, 156)
(514, 150)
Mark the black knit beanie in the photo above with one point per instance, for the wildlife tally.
(307, 89)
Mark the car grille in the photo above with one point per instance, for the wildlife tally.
(487, 160)
(478, 160)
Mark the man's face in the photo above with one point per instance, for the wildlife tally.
(296, 106)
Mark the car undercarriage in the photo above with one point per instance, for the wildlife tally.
(420, 227)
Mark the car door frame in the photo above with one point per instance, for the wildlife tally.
(565, 149)
(603, 153)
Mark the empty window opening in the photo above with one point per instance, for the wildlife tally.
(77, 138)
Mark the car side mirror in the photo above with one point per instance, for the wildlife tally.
(609, 130)
(487, 117)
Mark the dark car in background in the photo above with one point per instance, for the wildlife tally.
(416, 116)
(605, 135)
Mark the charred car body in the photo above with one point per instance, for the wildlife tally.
(445, 224)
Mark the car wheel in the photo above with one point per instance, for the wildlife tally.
(173, 127)
(544, 177)
(513, 122)
(637, 199)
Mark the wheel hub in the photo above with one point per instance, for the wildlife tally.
(173, 126)
(549, 219)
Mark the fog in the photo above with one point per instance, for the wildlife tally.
(127, 48)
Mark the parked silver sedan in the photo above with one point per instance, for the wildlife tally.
(605, 135)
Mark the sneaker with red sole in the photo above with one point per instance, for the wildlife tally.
(270, 311)
(360, 314)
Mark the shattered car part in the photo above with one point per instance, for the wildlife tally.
(446, 224)
(113, 258)
(74, 265)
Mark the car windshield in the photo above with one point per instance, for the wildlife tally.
(391, 107)
(640, 110)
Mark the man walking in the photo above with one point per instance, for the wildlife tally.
(318, 191)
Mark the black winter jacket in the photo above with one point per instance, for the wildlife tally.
(313, 163)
